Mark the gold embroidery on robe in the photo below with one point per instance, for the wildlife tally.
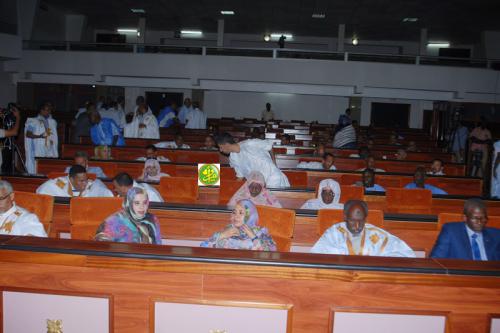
(374, 239)
(54, 326)
(60, 183)
(7, 226)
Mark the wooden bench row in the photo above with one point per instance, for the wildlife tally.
(298, 178)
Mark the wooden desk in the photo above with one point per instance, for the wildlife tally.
(135, 277)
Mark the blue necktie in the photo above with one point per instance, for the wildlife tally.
(476, 254)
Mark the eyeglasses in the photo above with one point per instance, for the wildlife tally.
(5, 196)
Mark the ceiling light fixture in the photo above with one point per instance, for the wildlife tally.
(138, 10)
(267, 37)
(192, 32)
(355, 40)
(278, 36)
(410, 19)
(126, 31)
(227, 12)
(318, 15)
(438, 44)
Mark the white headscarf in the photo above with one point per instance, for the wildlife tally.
(318, 203)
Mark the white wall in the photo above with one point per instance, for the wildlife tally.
(49, 25)
(8, 90)
(325, 109)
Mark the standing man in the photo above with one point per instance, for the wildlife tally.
(185, 110)
(11, 121)
(40, 137)
(480, 139)
(267, 114)
(252, 155)
(104, 131)
(144, 124)
(167, 115)
(196, 119)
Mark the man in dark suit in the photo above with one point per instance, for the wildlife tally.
(469, 240)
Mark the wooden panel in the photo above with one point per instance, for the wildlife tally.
(346, 320)
(220, 316)
(25, 311)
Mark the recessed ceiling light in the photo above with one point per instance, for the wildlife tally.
(126, 31)
(355, 40)
(138, 10)
(278, 35)
(319, 15)
(267, 37)
(192, 32)
(410, 19)
(438, 44)
(227, 12)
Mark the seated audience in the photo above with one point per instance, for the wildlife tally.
(370, 164)
(152, 172)
(412, 146)
(81, 158)
(328, 196)
(320, 150)
(419, 182)
(178, 143)
(437, 168)
(368, 181)
(209, 143)
(363, 152)
(470, 239)
(123, 182)
(356, 237)
(244, 232)
(104, 131)
(15, 220)
(401, 155)
(250, 155)
(143, 125)
(286, 140)
(325, 164)
(76, 184)
(255, 190)
(132, 224)
(393, 140)
(152, 154)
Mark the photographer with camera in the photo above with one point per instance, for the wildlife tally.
(10, 119)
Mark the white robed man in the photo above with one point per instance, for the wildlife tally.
(123, 182)
(253, 155)
(144, 124)
(40, 137)
(15, 220)
(185, 110)
(115, 113)
(82, 158)
(177, 143)
(196, 119)
(356, 237)
(76, 184)
(325, 164)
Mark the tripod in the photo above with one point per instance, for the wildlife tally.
(10, 167)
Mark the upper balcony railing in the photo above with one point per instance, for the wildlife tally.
(275, 53)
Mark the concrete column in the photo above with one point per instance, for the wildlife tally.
(423, 41)
(26, 10)
(220, 32)
(74, 27)
(341, 38)
(141, 30)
